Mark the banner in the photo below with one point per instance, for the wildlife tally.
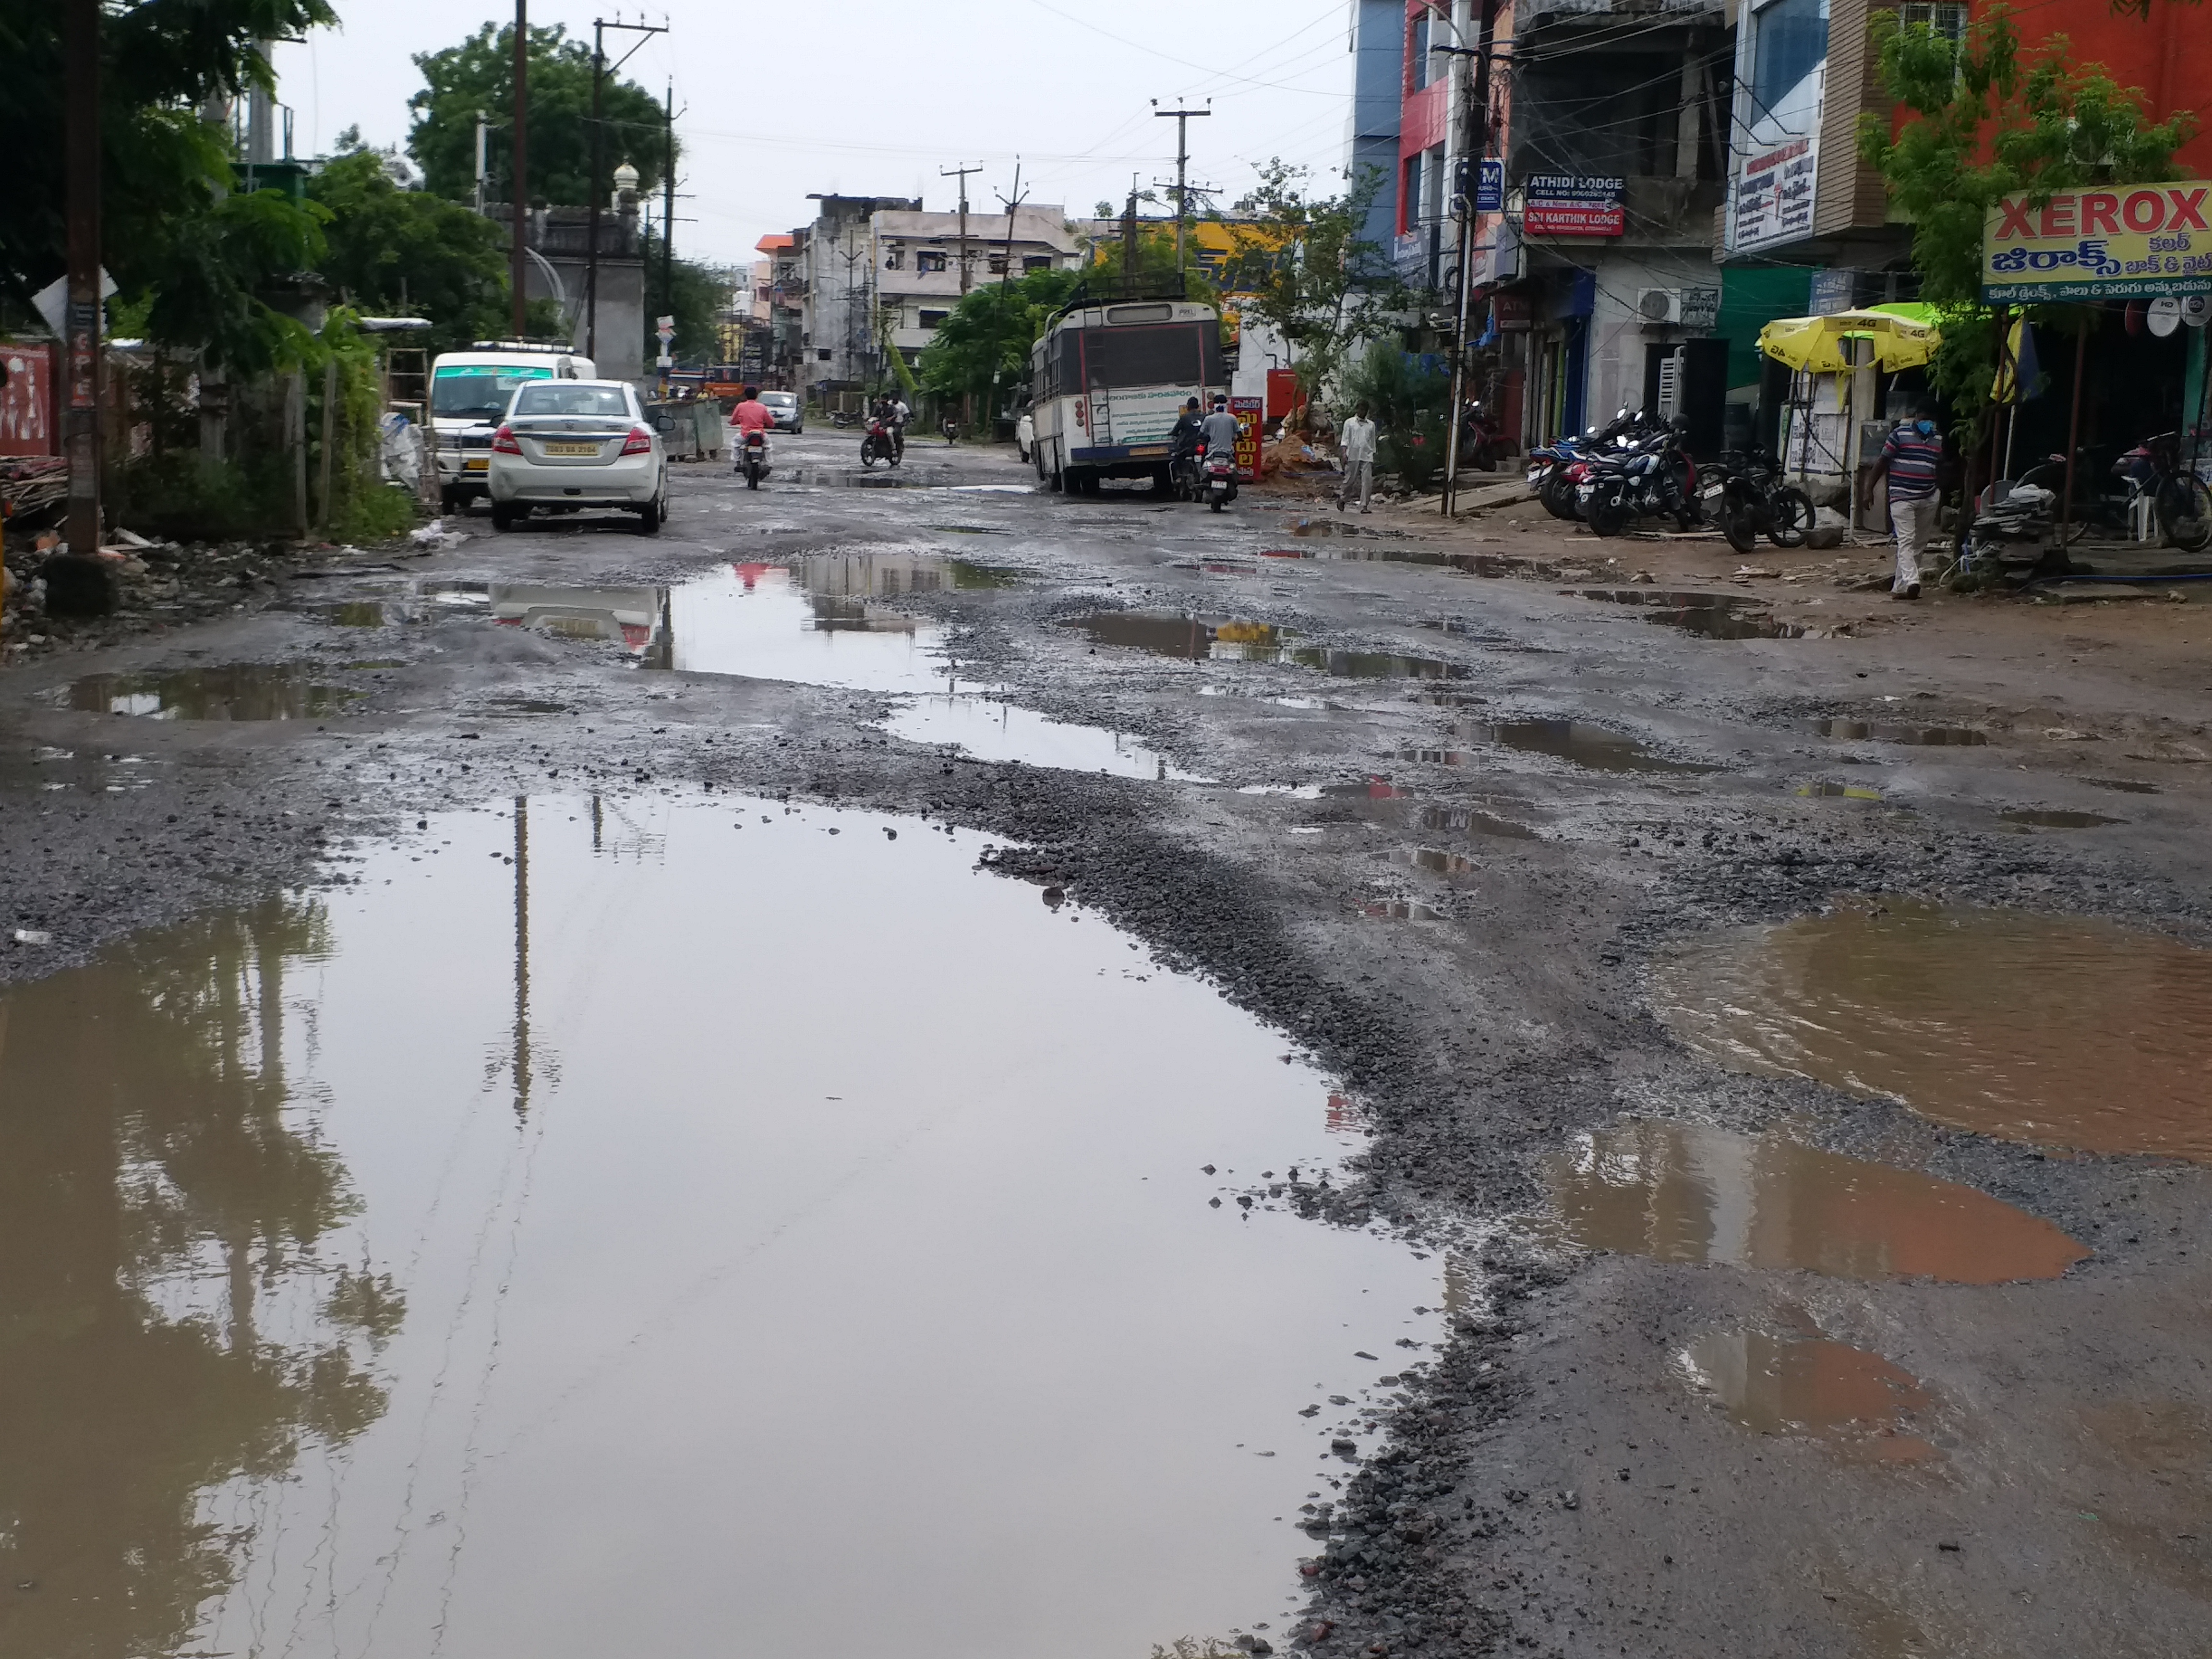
(1774, 195)
(1572, 204)
(2122, 242)
(1248, 411)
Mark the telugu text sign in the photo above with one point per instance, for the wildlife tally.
(1572, 204)
(2116, 243)
(1774, 195)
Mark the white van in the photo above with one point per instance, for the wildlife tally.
(469, 391)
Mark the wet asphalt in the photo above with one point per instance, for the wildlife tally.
(1437, 828)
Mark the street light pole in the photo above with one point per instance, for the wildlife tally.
(600, 73)
(518, 264)
(78, 585)
(1473, 146)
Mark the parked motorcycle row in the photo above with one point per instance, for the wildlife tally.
(1636, 467)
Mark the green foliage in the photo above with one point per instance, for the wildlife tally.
(702, 294)
(177, 496)
(479, 75)
(986, 339)
(1408, 405)
(407, 252)
(1990, 119)
(1301, 267)
(192, 255)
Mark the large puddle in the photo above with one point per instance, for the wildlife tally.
(663, 1227)
(1681, 1192)
(1584, 746)
(1194, 639)
(233, 691)
(2054, 1030)
(1708, 616)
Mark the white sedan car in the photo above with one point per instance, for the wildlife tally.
(570, 445)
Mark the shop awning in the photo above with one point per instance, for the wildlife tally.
(1816, 343)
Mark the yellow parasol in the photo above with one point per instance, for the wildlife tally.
(1816, 343)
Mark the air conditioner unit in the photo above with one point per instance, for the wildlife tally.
(1656, 308)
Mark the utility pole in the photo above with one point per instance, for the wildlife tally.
(668, 211)
(78, 585)
(482, 158)
(600, 73)
(1182, 119)
(962, 175)
(519, 266)
(1006, 278)
(1473, 150)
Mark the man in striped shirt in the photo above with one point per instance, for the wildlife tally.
(1912, 459)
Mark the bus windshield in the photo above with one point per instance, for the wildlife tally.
(1180, 354)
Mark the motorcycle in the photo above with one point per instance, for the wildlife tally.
(1653, 476)
(878, 444)
(1478, 439)
(843, 418)
(1754, 500)
(1187, 476)
(1557, 473)
(1220, 477)
(753, 463)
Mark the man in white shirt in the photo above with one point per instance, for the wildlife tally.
(1358, 440)
(1221, 430)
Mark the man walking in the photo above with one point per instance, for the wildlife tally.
(1912, 459)
(1358, 442)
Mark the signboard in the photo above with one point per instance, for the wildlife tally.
(1572, 204)
(1773, 198)
(1490, 187)
(1248, 413)
(1701, 307)
(2124, 242)
(1829, 292)
(26, 400)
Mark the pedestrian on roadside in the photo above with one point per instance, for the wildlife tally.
(1358, 440)
(1912, 460)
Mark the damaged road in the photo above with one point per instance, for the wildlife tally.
(952, 1035)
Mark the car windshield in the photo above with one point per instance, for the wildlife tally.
(779, 400)
(572, 400)
(478, 392)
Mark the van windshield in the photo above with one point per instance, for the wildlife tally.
(478, 392)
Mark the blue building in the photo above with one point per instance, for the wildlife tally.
(1378, 74)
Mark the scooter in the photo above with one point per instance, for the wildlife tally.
(753, 463)
(843, 418)
(1220, 477)
(878, 444)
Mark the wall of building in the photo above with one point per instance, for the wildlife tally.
(1377, 49)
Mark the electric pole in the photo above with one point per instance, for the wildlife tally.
(1005, 276)
(78, 585)
(481, 159)
(668, 212)
(962, 175)
(600, 73)
(1182, 119)
(1472, 149)
(519, 271)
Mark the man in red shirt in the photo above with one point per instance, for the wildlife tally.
(751, 415)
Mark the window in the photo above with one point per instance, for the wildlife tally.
(929, 260)
(1179, 355)
(934, 319)
(1790, 42)
(997, 264)
(822, 355)
(894, 260)
(1417, 50)
(553, 399)
(1036, 262)
(1409, 198)
(1948, 22)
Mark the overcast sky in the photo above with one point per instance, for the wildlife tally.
(778, 98)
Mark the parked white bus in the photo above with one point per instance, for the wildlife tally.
(1107, 381)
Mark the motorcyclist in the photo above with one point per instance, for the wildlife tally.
(1183, 442)
(895, 416)
(750, 415)
(1221, 430)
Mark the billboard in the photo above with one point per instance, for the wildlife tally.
(2115, 242)
(1572, 204)
(1773, 200)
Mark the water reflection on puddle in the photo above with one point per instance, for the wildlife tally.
(2046, 818)
(636, 1241)
(1591, 746)
(233, 691)
(1709, 616)
(988, 729)
(1935, 737)
(1681, 1192)
(2056, 1030)
(1194, 639)
(1856, 1403)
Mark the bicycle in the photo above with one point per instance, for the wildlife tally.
(2150, 478)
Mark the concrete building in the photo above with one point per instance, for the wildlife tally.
(922, 266)
(836, 271)
(1377, 46)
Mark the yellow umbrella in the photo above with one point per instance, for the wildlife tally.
(1816, 343)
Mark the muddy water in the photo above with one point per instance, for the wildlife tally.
(1591, 746)
(615, 1230)
(236, 691)
(2048, 818)
(1708, 616)
(1194, 639)
(1936, 736)
(2056, 1030)
(1681, 1192)
(1856, 1403)
(989, 729)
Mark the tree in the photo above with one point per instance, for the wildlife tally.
(1989, 119)
(1301, 267)
(478, 74)
(407, 252)
(986, 339)
(190, 253)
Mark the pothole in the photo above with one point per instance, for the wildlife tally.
(2050, 1030)
(1196, 639)
(1854, 1402)
(232, 691)
(1591, 746)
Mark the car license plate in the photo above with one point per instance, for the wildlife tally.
(481, 464)
(572, 449)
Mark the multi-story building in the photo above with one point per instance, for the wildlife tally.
(923, 263)
(836, 265)
(778, 313)
(1377, 46)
